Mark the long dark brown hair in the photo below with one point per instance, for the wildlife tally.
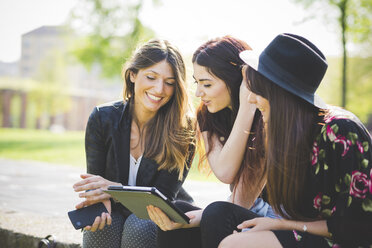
(290, 131)
(170, 134)
(221, 58)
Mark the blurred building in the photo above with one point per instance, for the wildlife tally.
(35, 46)
(45, 59)
(8, 69)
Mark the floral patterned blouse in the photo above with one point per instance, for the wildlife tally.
(341, 184)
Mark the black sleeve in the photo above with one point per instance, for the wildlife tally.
(95, 150)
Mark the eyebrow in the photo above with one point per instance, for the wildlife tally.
(203, 79)
(158, 74)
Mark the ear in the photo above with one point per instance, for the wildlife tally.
(132, 76)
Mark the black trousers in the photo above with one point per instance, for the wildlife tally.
(221, 218)
(218, 221)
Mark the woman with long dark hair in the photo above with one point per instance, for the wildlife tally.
(231, 130)
(147, 139)
(318, 159)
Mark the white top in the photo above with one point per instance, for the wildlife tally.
(133, 170)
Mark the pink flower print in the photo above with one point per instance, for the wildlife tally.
(359, 184)
(318, 201)
(329, 119)
(331, 135)
(314, 157)
(345, 142)
(360, 147)
(336, 246)
(297, 236)
(370, 182)
(333, 210)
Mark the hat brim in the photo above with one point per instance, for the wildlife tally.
(252, 59)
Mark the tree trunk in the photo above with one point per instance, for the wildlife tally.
(22, 122)
(7, 100)
(343, 6)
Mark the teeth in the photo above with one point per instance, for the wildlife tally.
(155, 98)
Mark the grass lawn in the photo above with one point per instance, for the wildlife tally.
(56, 148)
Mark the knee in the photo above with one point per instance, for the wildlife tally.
(226, 243)
(214, 210)
(137, 225)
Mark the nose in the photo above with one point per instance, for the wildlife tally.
(252, 98)
(159, 87)
(198, 92)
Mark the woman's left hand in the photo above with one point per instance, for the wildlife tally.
(101, 221)
(262, 224)
(165, 224)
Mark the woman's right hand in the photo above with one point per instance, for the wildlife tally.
(93, 187)
(165, 224)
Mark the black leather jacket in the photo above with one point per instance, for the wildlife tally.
(107, 149)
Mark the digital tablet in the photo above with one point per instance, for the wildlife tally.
(137, 198)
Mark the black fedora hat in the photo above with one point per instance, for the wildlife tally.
(293, 63)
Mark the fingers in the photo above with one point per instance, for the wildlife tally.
(95, 195)
(95, 224)
(86, 175)
(103, 220)
(100, 222)
(87, 185)
(109, 219)
(246, 224)
(93, 200)
(157, 218)
(81, 205)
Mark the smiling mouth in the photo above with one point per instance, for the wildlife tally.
(154, 98)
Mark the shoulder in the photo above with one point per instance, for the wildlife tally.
(109, 109)
(108, 113)
(339, 122)
(344, 132)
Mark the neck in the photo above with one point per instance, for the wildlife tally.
(141, 115)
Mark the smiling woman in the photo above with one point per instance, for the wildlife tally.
(120, 147)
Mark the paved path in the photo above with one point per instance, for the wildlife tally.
(35, 197)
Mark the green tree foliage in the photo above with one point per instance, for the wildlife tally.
(354, 18)
(110, 30)
(360, 92)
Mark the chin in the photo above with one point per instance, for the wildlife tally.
(211, 110)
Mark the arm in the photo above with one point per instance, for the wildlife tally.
(95, 150)
(265, 224)
(232, 152)
(347, 201)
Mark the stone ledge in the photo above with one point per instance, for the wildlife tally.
(25, 230)
(12, 239)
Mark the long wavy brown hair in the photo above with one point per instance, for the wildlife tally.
(170, 134)
(221, 58)
(291, 129)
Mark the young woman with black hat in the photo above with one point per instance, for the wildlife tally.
(318, 159)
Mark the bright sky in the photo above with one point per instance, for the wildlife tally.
(187, 24)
